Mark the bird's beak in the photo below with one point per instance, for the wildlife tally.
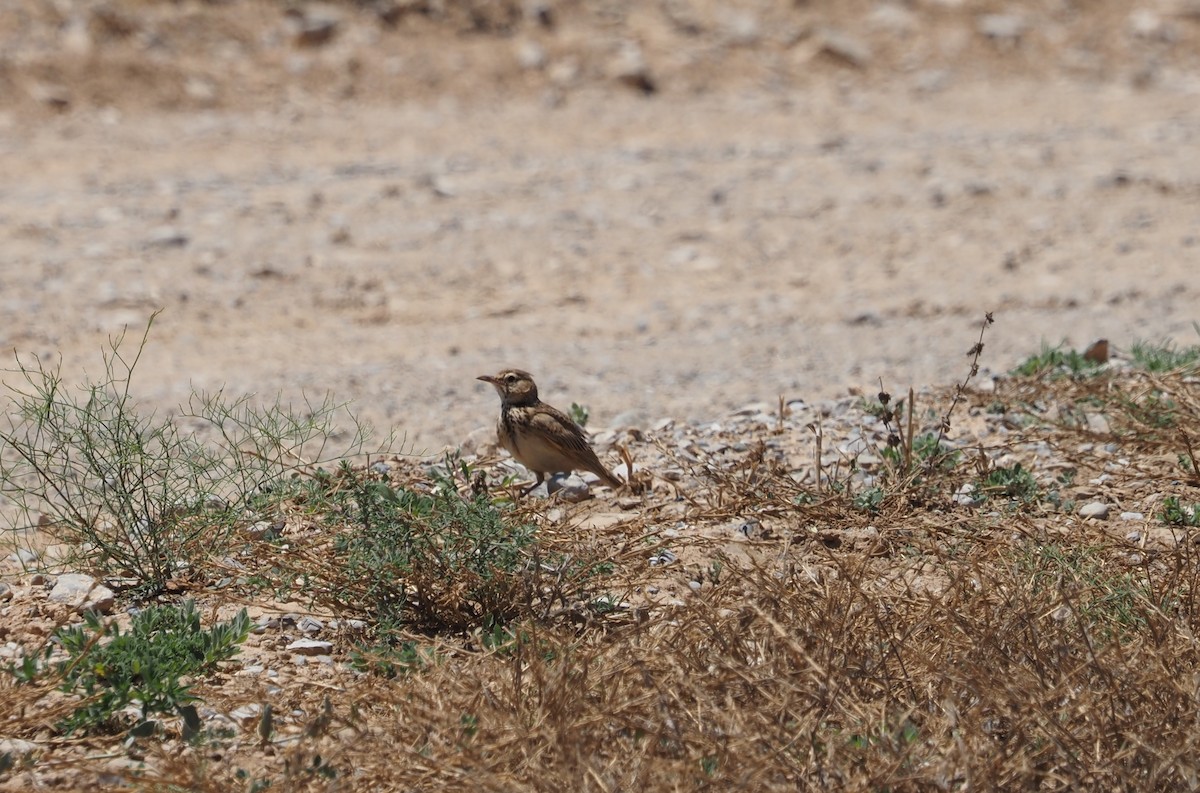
(487, 378)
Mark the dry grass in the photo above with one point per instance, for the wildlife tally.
(915, 645)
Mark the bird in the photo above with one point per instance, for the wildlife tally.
(540, 437)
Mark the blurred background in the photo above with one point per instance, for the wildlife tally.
(661, 209)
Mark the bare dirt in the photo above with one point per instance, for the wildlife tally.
(815, 196)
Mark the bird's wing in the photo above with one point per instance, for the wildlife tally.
(561, 431)
(568, 436)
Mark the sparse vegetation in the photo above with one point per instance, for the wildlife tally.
(874, 631)
(1056, 362)
(147, 665)
(579, 414)
(1012, 482)
(144, 497)
(1175, 513)
(1165, 356)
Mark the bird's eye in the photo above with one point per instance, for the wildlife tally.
(512, 378)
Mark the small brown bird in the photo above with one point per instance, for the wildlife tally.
(541, 438)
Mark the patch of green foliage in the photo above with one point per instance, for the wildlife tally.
(1057, 362)
(1013, 482)
(1164, 356)
(147, 664)
(1105, 600)
(1175, 513)
(435, 558)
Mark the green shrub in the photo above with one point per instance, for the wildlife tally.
(146, 665)
(437, 559)
(139, 495)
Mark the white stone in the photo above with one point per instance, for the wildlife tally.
(1095, 509)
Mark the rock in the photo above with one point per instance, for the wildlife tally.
(621, 471)
(200, 90)
(264, 530)
(82, 593)
(25, 556)
(629, 67)
(166, 237)
(1097, 352)
(570, 488)
(481, 442)
(1097, 510)
(310, 647)
(246, 715)
(309, 625)
(845, 48)
(50, 94)
(1132, 516)
(969, 496)
(17, 746)
(741, 28)
(893, 18)
(630, 420)
(1006, 28)
(531, 55)
(315, 26)
(662, 558)
(6, 593)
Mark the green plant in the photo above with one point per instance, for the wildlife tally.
(1013, 482)
(1057, 362)
(436, 558)
(579, 414)
(145, 496)
(1164, 356)
(390, 661)
(1109, 602)
(927, 453)
(146, 664)
(869, 500)
(1174, 513)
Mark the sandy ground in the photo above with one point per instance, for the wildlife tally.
(674, 254)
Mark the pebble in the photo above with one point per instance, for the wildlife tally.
(167, 237)
(530, 55)
(570, 488)
(82, 593)
(16, 746)
(849, 49)
(1006, 28)
(25, 556)
(662, 558)
(629, 67)
(969, 496)
(1096, 509)
(309, 625)
(246, 715)
(1132, 516)
(264, 530)
(6, 592)
(310, 647)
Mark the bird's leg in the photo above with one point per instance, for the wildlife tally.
(540, 476)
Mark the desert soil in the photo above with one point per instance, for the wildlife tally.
(386, 201)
